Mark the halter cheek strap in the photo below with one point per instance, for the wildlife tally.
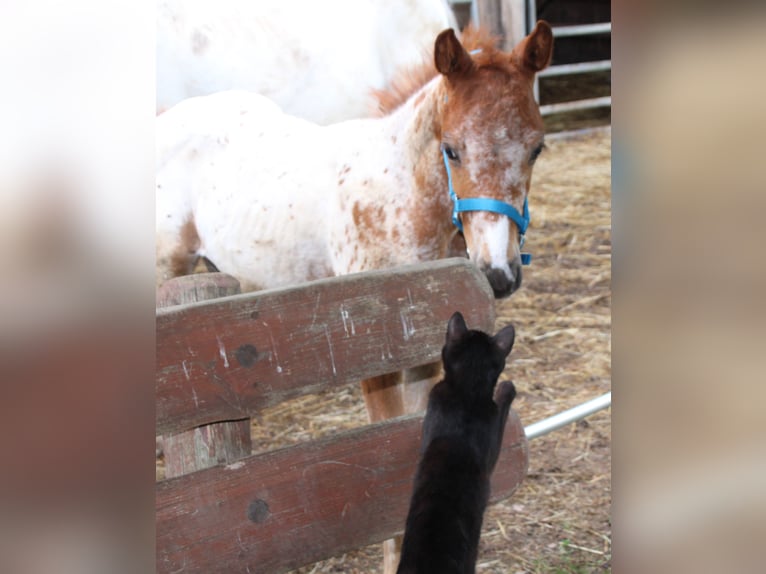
(488, 204)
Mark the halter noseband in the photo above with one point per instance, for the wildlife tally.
(487, 204)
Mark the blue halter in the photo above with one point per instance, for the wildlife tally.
(488, 204)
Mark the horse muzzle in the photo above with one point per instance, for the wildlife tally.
(503, 284)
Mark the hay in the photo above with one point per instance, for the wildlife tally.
(559, 519)
(560, 516)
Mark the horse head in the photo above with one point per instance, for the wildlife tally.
(491, 134)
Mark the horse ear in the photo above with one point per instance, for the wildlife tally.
(456, 328)
(534, 52)
(504, 339)
(450, 57)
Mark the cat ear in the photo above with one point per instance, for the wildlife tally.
(456, 328)
(504, 339)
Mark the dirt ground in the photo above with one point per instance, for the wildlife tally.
(558, 521)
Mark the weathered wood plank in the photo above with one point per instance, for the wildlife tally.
(279, 510)
(489, 14)
(227, 359)
(206, 446)
(195, 288)
(216, 443)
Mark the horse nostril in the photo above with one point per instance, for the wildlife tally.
(516, 271)
(501, 284)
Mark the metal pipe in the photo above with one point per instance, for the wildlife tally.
(569, 416)
(531, 15)
(531, 21)
(575, 105)
(578, 68)
(582, 30)
(579, 133)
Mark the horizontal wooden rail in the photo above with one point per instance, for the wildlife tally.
(276, 511)
(229, 358)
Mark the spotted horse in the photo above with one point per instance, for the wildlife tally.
(275, 200)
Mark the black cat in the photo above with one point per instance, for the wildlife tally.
(462, 435)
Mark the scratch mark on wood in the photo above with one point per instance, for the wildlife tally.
(274, 352)
(316, 309)
(186, 370)
(347, 321)
(332, 356)
(222, 351)
(386, 349)
(339, 463)
(344, 318)
(408, 329)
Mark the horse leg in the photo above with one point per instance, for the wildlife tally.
(390, 396)
(383, 397)
(418, 383)
(392, 551)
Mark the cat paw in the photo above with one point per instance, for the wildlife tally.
(506, 392)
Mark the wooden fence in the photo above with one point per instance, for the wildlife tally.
(221, 361)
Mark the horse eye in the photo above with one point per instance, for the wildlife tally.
(451, 153)
(536, 152)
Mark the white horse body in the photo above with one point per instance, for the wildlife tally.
(228, 162)
(317, 60)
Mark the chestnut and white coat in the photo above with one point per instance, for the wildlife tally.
(276, 200)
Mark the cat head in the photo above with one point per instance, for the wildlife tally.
(474, 358)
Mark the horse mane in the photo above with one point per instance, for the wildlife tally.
(409, 80)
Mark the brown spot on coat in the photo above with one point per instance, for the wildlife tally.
(184, 259)
(367, 222)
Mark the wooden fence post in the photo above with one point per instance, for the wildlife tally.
(212, 444)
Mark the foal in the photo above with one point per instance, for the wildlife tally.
(462, 435)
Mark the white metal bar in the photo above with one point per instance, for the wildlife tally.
(563, 107)
(531, 21)
(582, 30)
(569, 416)
(577, 68)
(531, 15)
(579, 133)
